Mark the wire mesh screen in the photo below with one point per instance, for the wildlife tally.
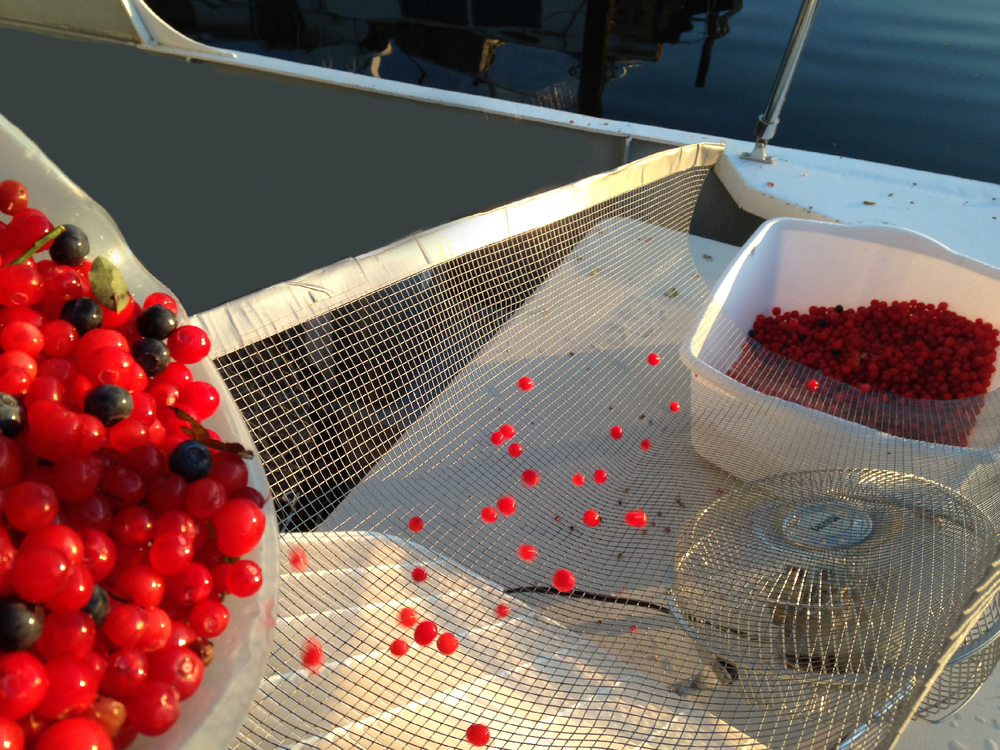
(593, 577)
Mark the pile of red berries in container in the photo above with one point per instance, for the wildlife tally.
(123, 519)
(842, 360)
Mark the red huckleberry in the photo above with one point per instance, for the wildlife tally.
(636, 518)
(591, 518)
(515, 450)
(399, 648)
(416, 524)
(653, 358)
(478, 735)
(507, 505)
(525, 383)
(527, 552)
(425, 633)
(488, 514)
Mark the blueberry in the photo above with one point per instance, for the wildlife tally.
(191, 459)
(70, 247)
(109, 403)
(20, 625)
(152, 355)
(839, 308)
(11, 415)
(99, 605)
(83, 313)
(156, 322)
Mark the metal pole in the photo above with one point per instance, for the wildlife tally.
(767, 123)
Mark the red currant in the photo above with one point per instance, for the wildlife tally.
(592, 518)
(72, 688)
(425, 633)
(617, 432)
(179, 667)
(158, 630)
(13, 197)
(478, 735)
(244, 578)
(192, 585)
(127, 485)
(530, 478)
(204, 498)
(75, 733)
(238, 525)
(563, 580)
(56, 536)
(527, 552)
(153, 708)
(419, 575)
(502, 610)
(159, 298)
(313, 658)
(125, 625)
(515, 450)
(11, 734)
(600, 476)
(30, 505)
(133, 526)
(399, 647)
(645, 444)
(489, 514)
(447, 643)
(202, 397)
(297, 559)
(40, 573)
(208, 618)
(128, 668)
(636, 518)
(230, 471)
(674, 406)
(171, 552)
(141, 584)
(507, 505)
(408, 617)
(653, 358)
(416, 524)
(188, 344)
(99, 553)
(507, 430)
(525, 383)
(496, 438)
(75, 593)
(578, 479)
(23, 684)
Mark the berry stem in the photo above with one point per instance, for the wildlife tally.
(38, 245)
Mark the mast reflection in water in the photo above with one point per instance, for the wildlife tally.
(553, 53)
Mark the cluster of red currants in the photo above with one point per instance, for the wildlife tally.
(120, 535)
(911, 349)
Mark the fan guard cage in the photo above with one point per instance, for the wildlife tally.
(372, 388)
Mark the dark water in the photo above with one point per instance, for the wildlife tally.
(913, 83)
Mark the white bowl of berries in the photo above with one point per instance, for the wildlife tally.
(138, 553)
(833, 346)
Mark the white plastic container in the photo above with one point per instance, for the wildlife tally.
(212, 716)
(793, 264)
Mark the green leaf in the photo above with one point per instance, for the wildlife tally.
(671, 292)
(594, 271)
(108, 285)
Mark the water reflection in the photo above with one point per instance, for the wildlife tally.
(554, 53)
